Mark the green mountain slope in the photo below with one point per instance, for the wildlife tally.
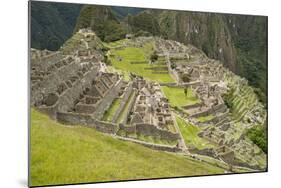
(52, 23)
(122, 12)
(66, 154)
(101, 20)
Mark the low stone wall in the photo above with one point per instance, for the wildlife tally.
(202, 113)
(207, 151)
(220, 108)
(195, 83)
(106, 127)
(131, 129)
(151, 130)
(171, 84)
(70, 118)
(152, 146)
(192, 106)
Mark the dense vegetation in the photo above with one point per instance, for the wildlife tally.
(250, 39)
(258, 135)
(52, 23)
(122, 12)
(62, 154)
(101, 20)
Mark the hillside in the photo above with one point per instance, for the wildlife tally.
(88, 156)
(102, 20)
(52, 23)
(122, 12)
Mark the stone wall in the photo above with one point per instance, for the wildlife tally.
(53, 57)
(129, 129)
(107, 100)
(71, 118)
(171, 84)
(196, 105)
(151, 130)
(153, 146)
(207, 151)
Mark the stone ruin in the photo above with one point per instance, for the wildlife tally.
(209, 80)
(76, 89)
(151, 106)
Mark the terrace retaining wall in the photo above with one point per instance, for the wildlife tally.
(70, 118)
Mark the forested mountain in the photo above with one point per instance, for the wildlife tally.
(52, 23)
(122, 12)
(102, 20)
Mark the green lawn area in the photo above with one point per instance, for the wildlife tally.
(108, 115)
(121, 59)
(189, 133)
(66, 154)
(203, 119)
(177, 97)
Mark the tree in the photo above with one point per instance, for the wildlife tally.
(154, 57)
(185, 92)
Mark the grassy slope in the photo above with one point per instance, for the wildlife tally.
(61, 154)
(134, 54)
(189, 133)
(111, 111)
(177, 97)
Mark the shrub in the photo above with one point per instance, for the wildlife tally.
(257, 134)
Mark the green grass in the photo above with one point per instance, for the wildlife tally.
(74, 154)
(203, 119)
(190, 135)
(177, 97)
(142, 54)
(108, 115)
(125, 109)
